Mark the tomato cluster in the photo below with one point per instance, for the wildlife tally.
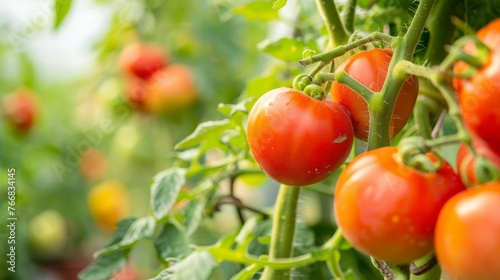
(155, 85)
(386, 208)
(298, 140)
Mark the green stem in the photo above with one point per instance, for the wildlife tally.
(425, 268)
(443, 141)
(224, 253)
(441, 30)
(333, 262)
(364, 92)
(326, 57)
(382, 105)
(283, 231)
(417, 25)
(438, 80)
(349, 14)
(331, 18)
(422, 116)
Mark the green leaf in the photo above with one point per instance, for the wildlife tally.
(257, 10)
(196, 266)
(193, 214)
(171, 242)
(121, 229)
(61, 8)
(204, 131)
(140, 229)
(278, 4)
(287, 49)
(165, 189)
(242, 107)
(105, 266)
(246, 231)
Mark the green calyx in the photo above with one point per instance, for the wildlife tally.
(315, 91)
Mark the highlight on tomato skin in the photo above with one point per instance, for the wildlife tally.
(298, 140)
(370, 69)
(389, 210)
(467, 242)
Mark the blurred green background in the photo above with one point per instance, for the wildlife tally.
(85, 134)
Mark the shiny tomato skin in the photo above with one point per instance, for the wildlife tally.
(467, 234)
(370, 69)
(389, 210)
(142, 60)
(298, 140)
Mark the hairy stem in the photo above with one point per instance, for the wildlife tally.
(326, 57)
(348, 15)
(382, 105)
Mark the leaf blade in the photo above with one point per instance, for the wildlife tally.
(62, 8)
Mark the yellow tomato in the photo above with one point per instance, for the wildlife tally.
(108, 204)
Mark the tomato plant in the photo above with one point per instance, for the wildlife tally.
(298, 140)
(389, 210)
(142, 60)
(370, 69)
(467, 230)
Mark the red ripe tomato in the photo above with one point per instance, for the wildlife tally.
(298, 140)
(142, 60)
(171, 90)
(370, 69)
(389, 210)
(20, 109)
(479, 95)
(465, 163)
(467, 234)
